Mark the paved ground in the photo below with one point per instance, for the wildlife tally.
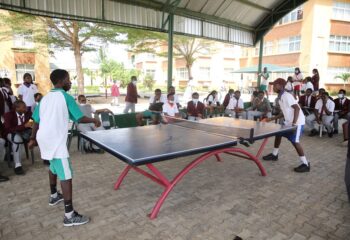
(215, 201)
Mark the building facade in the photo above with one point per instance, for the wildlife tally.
(315, 35)
(19, 54)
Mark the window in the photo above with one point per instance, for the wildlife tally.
(268, 48)
(332, 72)
(244, 52)
(182, 73)
(341, 11)
(228, 74)
(339, 43)
(21, 69)
(291, 44)
(23, 40)
(295, 15)
(204, 73)
(150, 72)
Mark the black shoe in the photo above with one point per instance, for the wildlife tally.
(3, 178)
(46, 162)
(313, 133)
(270, 157)
(330, 134)
(335, 131)
(19, 171)
(302, 168)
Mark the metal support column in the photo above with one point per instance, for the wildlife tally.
(170, 48)
(261, 51)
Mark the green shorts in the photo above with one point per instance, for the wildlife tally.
(263, 87)
(150, 114)
(62, 168)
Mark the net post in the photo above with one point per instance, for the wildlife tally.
(251, 136)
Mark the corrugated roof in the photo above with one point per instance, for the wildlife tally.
(241, 22)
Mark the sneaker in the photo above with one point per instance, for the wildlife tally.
(75, 220)
(302, 168)
(19, 171)
(56, 200)
(270, 157)
(335, 131)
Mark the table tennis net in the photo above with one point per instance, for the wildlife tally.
(231, 132)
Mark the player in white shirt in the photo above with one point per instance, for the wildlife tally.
(171, 90)
(27, 90)
(293, 116)
(324, 109)
(235, 107)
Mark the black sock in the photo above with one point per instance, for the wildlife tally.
(53, 188)
(68, 206)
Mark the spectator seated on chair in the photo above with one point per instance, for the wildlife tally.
(323, 113)
(227, 98)
(195, 108)
(321, 91)
(235, 108)
(88, 110)
(261, 107)
(17, 130)
(341, 109)
(171, 90)
(170, 109)
(307, 102)
(212, 102)
(154, 109)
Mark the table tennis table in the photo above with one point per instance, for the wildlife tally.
(210, 137)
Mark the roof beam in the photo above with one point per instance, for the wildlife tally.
(271, 19)
(254, 5)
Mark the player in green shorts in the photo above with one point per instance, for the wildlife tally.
(53, 114)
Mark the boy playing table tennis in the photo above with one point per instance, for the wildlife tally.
(53, 113)
(293, 116)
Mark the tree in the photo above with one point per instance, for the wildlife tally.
(149, 82)
(185, 47)
(344, 76)
(92, 74)
(80, 37)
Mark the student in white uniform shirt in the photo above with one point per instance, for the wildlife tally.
(176, 100)
(52, 114)
(27, 90)
(293, 116)
(289, 85)
(307, 84)
(297, 81)
(323, 112)
(235, 107)
(170, 107)
(88, 110)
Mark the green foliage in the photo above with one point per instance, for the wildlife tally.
(149, 82)
(344, 76)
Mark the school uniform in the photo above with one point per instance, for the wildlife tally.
(53, 114)
(341, 110)
(16, 132)
(308, 85)
(236, 103)
(227, 100)
(194, 109)
(27, 92)
(130, 98)
(170, 110)
(164, 99)
(286, 100)
(259, 108)
(297, 84)
(326, 119)
(88, 110)
(307, 104)
(289, 87)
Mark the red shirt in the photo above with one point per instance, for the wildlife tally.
(131, 93)
(115, 90)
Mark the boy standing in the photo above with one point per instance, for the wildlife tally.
(293, 116)
(27, 90)
(53, 114)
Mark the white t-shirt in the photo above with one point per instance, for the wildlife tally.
(298, 78)
(233, 103)
(28, 94)
(164, 98)
(170, 110)
(151, 99)
(286, 102)
(307, 86)
(289, 86)
(330, 105)
(264, 78)
(212, 100)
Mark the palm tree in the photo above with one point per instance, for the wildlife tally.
(344, 76)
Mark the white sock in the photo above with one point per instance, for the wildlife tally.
(54, 195)
(18, 165)
(69, 215)
(275, 151)
(303, 160)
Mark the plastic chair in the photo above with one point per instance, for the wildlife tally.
(8, 152)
